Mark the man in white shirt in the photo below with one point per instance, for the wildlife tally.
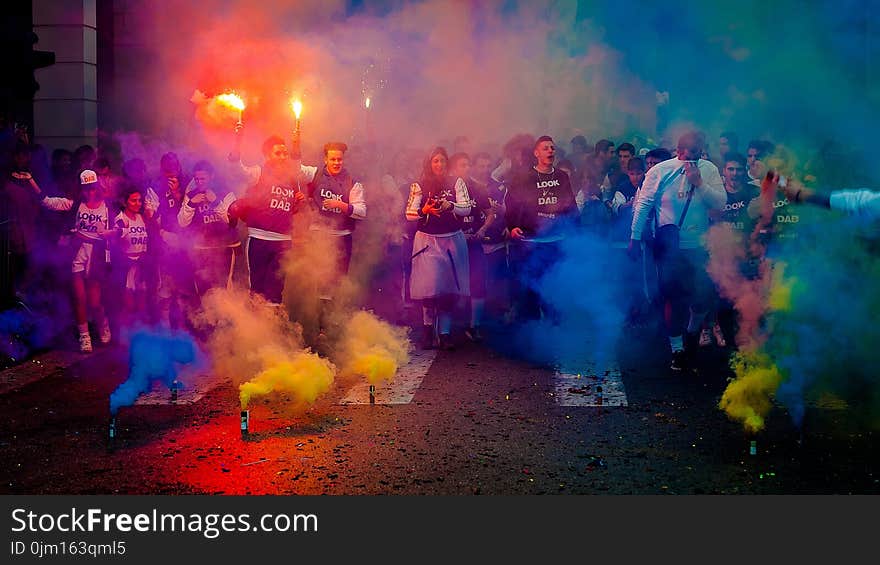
(682, 192)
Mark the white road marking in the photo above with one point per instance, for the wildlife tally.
(401, 389)
(590, 385)
(160, 394)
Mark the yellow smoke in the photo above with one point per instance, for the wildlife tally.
(780, 291)
(372, 348)
(310, 273)
(305, 375)
(748, 398)
(254, 344)
(784, 161)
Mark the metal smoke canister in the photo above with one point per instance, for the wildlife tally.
(245, 423)
(372, 394)
(753, 448)
(112, 430)
(175, 385)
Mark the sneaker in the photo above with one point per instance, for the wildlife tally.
(85, 343)
(446, 342)
(719, 336)
(474, 334)
(705, 338)
(428, 337)
(105, 333)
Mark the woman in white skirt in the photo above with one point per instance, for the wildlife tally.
(440, 257)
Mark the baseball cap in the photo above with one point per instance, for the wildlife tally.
(88, 176)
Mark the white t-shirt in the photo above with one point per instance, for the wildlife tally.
(133, 241)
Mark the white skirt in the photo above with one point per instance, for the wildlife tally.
(439, 266)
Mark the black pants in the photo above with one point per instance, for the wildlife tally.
(213, 268)
(264, 265)
(686, 285)
(529, 262)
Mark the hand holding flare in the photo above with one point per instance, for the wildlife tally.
(234, 101)
(296, 106)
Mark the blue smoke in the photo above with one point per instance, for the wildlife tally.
(154, 356)
(587, 293)
(23, 332)
(826, 344)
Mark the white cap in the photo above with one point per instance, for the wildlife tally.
(88, 176)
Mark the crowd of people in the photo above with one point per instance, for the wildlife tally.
(467, 236)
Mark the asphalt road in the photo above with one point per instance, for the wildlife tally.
(469, 421)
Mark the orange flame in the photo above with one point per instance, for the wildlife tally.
(297, 107)
(231, 100)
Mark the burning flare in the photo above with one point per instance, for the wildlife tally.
(297, 107)
(367, 103)
(231, 100)
(215, 110)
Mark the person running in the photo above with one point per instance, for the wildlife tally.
(91, 225)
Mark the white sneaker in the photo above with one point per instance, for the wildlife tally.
(705, 338)
(85, 343)
(105, 333)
